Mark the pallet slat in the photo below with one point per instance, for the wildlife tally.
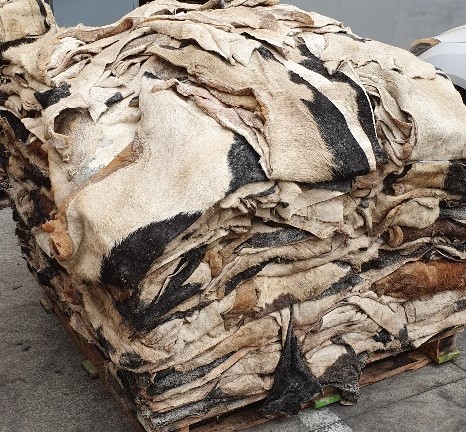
(392, 366)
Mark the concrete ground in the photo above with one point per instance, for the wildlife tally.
(44, 389)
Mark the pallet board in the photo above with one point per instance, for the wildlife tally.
(245, 414)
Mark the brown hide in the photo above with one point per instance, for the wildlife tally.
(417, 279)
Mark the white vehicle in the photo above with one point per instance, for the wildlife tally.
(448, 53)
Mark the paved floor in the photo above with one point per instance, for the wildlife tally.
(44, 389)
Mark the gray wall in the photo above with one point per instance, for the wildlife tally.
(91, 12)
(396, 22)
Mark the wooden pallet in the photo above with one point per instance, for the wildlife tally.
(439, 349)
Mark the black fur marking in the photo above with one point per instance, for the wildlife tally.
(150, 75)
(21, 225)
(39, 214)
(312, 62)
(43, 12)
(383, 336)
(189, 262)
(392, 178)
(460, 305)
(20, 131)
(351, 36)
(244, 275)
(151, 317)
(183, 44)
(283, 301)
(52, 96)
(294, 384)
(340, 186)
(175, 292)
(136, 318)
(169, 379)
(349, 158)
(458, 212)
(182, 314)
(266, 54)
(3, 98)
(385, 259)
(11, 44)
(442, 74)
(278, 238)
(244, 164)
(128, 383)
(3, 193)
(344, 375)
(130, 260)
(45, 276)
(103, 342)
(404, 337)
(265, 193)
(345, 283)
(33, 173)
(22, 230)
(4, 158)
(117, 97)
(143, 380)
(462, 93)
(196, 409)
(365, 113)
(131, 360)
(26, 251)
(455, 181)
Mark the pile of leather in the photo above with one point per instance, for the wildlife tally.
(237, 200)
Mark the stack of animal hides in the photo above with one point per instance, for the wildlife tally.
(236, 200)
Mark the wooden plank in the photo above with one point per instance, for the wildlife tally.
(247, 407)
(244, 419)
(442, 350)
(394, 365)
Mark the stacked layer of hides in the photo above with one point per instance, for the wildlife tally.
(235, 201)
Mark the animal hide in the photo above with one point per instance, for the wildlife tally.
(234, 200)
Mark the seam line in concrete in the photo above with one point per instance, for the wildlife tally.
(461, 367)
